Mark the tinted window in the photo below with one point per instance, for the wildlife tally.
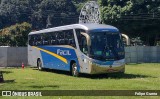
(69, 38)
(31, 40)
(60, 37)
(82, 40)
(65, 37)
(35, 40)
(38, 39)
(106, 45)
(45, 40)
(53, 38)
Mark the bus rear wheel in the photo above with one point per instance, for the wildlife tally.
(39, 64)
(75, 72)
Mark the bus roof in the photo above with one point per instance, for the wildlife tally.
(76, 26)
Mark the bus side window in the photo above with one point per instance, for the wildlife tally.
(60, 38)
(82, 41)
(63, 38)
(53, 38)
(83, 45)
(66, 38)
(69, 38)
(31, 40)
(34, 40)
(38, 39)
(45, 39)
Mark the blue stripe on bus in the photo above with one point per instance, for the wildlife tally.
(53, 54)
(49, 61)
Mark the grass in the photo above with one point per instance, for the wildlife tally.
(136, 77)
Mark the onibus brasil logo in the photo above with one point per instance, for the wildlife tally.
(21, 93)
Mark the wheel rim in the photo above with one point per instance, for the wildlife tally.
(39, 65)
(75, 71)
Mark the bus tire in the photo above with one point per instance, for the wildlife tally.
(74, 70)
(39, 64)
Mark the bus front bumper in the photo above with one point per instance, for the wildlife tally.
(97, 69)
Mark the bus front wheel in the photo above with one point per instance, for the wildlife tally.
(39, 64)
(75, 72)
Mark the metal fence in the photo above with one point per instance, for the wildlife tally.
(14, 56)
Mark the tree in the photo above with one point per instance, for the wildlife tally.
(79, 4)
(36, 12)
(112, 10)
(61, 12)
(133, 17)
(15, 11)
(16, 35)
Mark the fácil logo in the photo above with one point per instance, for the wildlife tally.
(63, 52)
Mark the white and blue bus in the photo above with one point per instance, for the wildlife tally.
(78, 48)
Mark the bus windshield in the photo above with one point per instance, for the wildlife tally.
(106, 45)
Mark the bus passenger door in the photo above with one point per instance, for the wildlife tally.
(84, 54)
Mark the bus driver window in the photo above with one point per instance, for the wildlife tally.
(82, 40)
(83, 46)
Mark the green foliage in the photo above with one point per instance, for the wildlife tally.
(133, 17)
(40, 13)
(61, 12)
(111, 11)
(16, 35)
(36, 12)
(79, 4)
(15, 11)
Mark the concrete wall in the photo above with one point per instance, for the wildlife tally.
(3, 56)
(14, 56)
(142, 54)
